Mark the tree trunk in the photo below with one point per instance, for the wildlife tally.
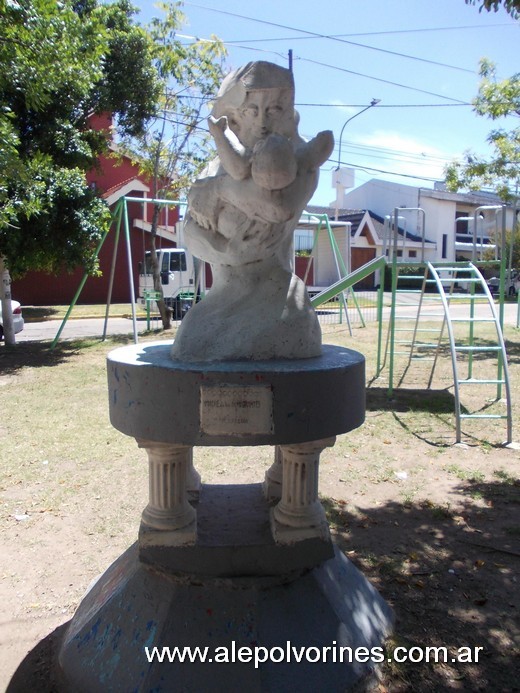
(157, 285)
(7, 309)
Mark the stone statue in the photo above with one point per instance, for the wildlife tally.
(241, 217)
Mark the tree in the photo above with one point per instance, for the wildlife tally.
(511, 6)
(173, 148)
(59, 64)
(501, 172)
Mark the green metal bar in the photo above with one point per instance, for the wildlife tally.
(339, 262)
(471, 329)
(119, 209)
(501, 295)
(81, 284)
(393, 305)
(505, 372)
(130, 273)
(380, 299)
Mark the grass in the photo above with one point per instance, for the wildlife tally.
(83, 485)
(465, 474)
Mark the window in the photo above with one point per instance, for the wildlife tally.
(412, 253)
(461, 226)
(177, 262)
(171, 262)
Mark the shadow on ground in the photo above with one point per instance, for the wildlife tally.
(39, 354)
(451, 578)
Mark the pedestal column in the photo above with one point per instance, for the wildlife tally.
(168, 519)
(299, 514)
(272, 486)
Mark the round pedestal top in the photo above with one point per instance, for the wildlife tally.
(272, 402)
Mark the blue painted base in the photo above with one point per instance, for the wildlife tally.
(132, 607)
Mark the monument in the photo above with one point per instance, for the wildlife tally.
(247, 574)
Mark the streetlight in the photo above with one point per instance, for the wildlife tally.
(338, 183)
(374, 102)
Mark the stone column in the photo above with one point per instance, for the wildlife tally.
(299, 514)
(192, 479)
(272, 486)
(168, 519)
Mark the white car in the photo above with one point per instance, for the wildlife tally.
(511, 287)
(18, 321)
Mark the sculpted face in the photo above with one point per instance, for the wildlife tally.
(264, 112)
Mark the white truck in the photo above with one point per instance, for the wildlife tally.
(177, 270)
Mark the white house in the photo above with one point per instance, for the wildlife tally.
(448, 218)
(351, 240)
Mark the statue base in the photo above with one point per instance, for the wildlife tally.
(322, 630)
(246, 574)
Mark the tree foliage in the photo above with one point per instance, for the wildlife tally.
(496, 99)
(61, 62)
(511, 6)
(174, 147)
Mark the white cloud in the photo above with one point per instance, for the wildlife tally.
(397, 153)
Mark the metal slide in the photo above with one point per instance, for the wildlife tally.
(348, 282)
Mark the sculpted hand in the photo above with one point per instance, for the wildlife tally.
(217, 124)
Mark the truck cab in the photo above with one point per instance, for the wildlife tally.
(177, 270)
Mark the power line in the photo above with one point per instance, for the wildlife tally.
(389, 173)
(381, 33)
(330, 37)
(385, 81)
(372, 48)
(395, 154)
(333, 67)
(385, 105)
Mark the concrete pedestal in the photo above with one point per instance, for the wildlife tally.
(296, 629)
(275, 402)
(239, 570)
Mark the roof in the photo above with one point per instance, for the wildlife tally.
(472, 197)
(118, 191)
(352, 216)
(355, 217)
(400, 231)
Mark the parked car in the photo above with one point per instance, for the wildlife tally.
(18, 321)
(511, 288)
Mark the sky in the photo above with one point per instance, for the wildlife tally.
(419, 57)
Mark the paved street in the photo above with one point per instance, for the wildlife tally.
(78, 329)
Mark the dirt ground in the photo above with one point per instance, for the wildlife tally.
(435, 526)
